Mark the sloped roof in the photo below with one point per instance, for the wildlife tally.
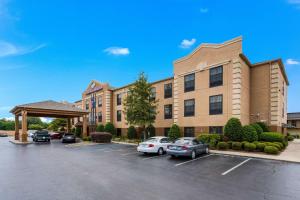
(291, 116)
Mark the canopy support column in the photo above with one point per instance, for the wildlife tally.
(24, 126)
(16, 127)
(84, 126)
(69, 125)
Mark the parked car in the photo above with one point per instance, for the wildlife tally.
(31, 133)
(157, 144)
(69, 138)
(41, 136)
(187, 146)
(56, 135)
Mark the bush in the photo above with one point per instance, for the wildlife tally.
(229, 144)
(131, 132)
(37, 127)
(150, 131)
(100, 128)
(233, 129)
(88, 138)
(272, 137)
(285, 144)
(290, 138)
(264, 126)
(110, 128)
(249, 134)
(174, 132)
(243, 144)
(222, 146)
(236, 145)
(73, 130)
(206, 138)
(250, 147)
(101, 137)
(258, 129)
(213, 144)
(271, 150)
(78, 132)
(260, 147)
(280, 145)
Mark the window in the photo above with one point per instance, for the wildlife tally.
(164, 140)
(168, 90)
(87, 105)
(119, 99)
(294, 123)
(153, 93)
(216, 129)
(99, 101)
(119, 115)
(283, 86)
(189, 107)
(99, 116)
(283, 110)
(189, 132)
(216, 76)
(189, 82)
(168, 111)
(216, 105)
(119, 132)
(195, 142)
(166, 131)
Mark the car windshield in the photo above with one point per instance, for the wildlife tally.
(182, 141)
(68, 134)
(152, 140)
(41, 132)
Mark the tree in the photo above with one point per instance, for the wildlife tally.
(249, 134)
(174, 132)
(110, 128)
(264, 126)
(131, 133)
(139, 104)
(233, 129)
(35, 127)
(57, 123)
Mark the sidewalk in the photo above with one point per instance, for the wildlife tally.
(290, 154)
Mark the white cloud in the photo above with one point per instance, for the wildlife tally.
(117, 51)
(5, 108)
(291, 61)
(185, 44)
(9, 118)
(46, 120)
(9, 49)
(204, 10)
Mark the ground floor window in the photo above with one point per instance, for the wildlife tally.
(119, 132)
(189, 132)
(166, 131)
(216, 129)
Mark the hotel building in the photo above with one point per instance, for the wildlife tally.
(210, 85)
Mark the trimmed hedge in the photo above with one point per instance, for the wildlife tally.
(274, 145)
(233, 129)
(101, 137)
(236, 145)
(290, 138)
(88, 138)
(110, 128)
(222, 146)
(249, 134)
(174, 132)
(100, 128)
(271, 150)
(250, 147)
(131, 132)
(263, 126)
(229, 144)
(258, 129)
(271, 137)
(206, 138)
(260, 147)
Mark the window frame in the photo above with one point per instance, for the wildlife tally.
(189, 114)
(170, 114)
(100, 97)
(119, 115)
(100, 115)
(216, 76)
(185, 132)
(119, 99)
(168, 90)
(215, 111)
(211, 128)
(192, 82)
(152, 93)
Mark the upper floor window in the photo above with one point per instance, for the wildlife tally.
(99, 101)
(283, 110)
(189, 107)
(119, 115)
(119, 99)
(189, 82)
(153, 93)
(168, 111)
(216, 129)
(99, 116)
(189, 132)
(87, 105)
(216, 105)
(168, 90)
(216, 76)
(294, 123)
(283, 86)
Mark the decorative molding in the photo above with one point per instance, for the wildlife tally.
(175, 100)
(108, 106)
(236, 89)
(274, 97)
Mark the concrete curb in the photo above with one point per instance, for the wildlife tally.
(132, 144)
(17, 142)
(252, 156)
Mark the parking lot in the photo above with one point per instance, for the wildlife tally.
(115, 171)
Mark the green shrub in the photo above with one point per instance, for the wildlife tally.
(271, 150)
(206, 138)
(222, 146)
(260, 147)
(100, 128)
(131, 132)
(290, 138)
(285, 143)
(87, 138)
(78, 132)
(110, 128)
(275, 145)
(213, 144)
(249, 134)
(236, 145)
(250, 147)
(233, 129)
(243, 144)
(263, 126)
(73, 130)
(229, 144)
(280, 145)
(256, 142)
(174, 132)
(258, 129)
(271, 137)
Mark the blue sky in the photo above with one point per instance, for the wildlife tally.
(52, 49)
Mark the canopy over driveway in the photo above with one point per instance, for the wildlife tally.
(47, 109)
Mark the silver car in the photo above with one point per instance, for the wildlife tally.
(187, 146)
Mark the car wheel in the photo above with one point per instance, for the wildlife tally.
(145, 153)
(173, 156)
(160, 151)
(193, 155)
(206, 150)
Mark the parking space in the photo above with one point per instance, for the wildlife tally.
(115, 171)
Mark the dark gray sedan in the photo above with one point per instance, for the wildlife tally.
(69, 138)
(187, 146)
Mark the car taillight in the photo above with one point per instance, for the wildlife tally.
(151, 145)
(184, 148)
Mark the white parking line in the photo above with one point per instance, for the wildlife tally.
(126, 154)
(192, 160)
(224, 173)
(113, 150)
(154, 157)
